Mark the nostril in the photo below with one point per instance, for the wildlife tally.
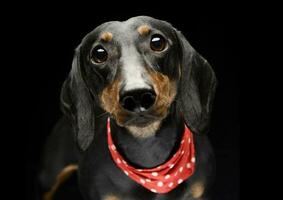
(128, 103)
(147, 99)
(137, 100)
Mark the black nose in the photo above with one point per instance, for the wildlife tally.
(137, 100)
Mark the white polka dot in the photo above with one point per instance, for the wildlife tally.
(183, 152)
(147, 180)
(180, 169)
(142, 181)
(160, 184)
(193, 159)
(154, 174)
(167, 176)
(189, 140)
(139, 170)
(188, 165)
(124, 162)
(180, 181)
(113, 147)
(182, 141)
(153, 190)
(171, 166)
(176, 174)
(126, 173)
(174, 155)
(158, 167)
(170, 184)
(118, 160)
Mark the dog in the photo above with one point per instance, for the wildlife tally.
(137, 105)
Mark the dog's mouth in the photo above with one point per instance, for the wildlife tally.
(140, 120)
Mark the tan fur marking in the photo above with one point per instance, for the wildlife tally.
(111, 197)
(110, 97)
(165, 92)
(144, 132)
(65, 173)
(197, 189)
(143, 30)
(106, 36)
(110, 101)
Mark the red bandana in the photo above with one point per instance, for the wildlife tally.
(166, 177)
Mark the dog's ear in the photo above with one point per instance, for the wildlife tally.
(196, 89)
(77, 104)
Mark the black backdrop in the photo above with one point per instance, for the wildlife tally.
(52, 34)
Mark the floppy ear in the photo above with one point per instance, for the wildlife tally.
(196, 89)
(77, 104)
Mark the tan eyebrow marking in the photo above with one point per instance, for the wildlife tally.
(143, 30)
(106, 36)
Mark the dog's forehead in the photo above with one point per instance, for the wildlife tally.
(125, 30)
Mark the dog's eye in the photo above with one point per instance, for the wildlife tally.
(98, 54)
(157, 42)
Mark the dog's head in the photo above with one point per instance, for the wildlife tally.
(135, 70)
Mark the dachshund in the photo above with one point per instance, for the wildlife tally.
(137, 105)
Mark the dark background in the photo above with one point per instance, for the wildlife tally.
(52, 33)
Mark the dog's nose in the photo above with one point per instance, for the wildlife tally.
(137, 100)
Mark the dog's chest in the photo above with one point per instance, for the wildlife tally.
(103, 175)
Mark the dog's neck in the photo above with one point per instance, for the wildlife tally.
(153, 150)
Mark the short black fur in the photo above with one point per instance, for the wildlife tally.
(85, 120)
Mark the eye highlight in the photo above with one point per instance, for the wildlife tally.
(157, 42)
(98, 55)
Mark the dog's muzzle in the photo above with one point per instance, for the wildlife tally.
(138, 100)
